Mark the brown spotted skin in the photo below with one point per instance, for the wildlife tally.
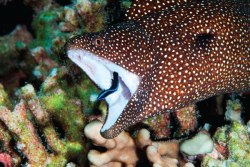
(184, 54)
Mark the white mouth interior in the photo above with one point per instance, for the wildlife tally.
(101, 70)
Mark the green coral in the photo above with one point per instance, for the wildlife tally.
(46, 29)
(235, 139)
(60, 102)
(220, 135)
(57, 111)
(239, 144)
(234, 105)
(4, 99)
(233, 110)
(84, 89)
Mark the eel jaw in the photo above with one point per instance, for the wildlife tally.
(100, 71)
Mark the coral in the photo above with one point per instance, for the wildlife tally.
(233, 110)
(161, 154)
(53, 24)
(38, 5)
(232, 147)
(201, 143)
(5, 137)
(248, 126)
(186, 119)
(58, 97)
(5, 160)
(30, 59)
(92, 14)
(44, 63)
(47, 128)
(6, 146)
(182, 122)
(46, 29)
(43, 122)
(70, 20)
(4, 99)
(28, 142)
(231, 141)
(161, 125)
(11, 46)
(120, 150)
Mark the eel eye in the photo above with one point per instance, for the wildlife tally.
(98, 41)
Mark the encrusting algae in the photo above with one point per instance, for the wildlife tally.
(36, 119)
(50, 116)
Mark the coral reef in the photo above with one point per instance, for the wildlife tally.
(92, 14)
(30, 58)
(234, 110)
(120, 150)
(46, 126)
(123, 149)
(10, 47)
(4, 99)
(46, 112)
(175, 125)
(161, 154)
(6, 160)
(14, 62)
(201, 143)
(44, 63)
(232, 147)
(232, 142)
(46, 109)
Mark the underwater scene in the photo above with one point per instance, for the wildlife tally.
(114, 83)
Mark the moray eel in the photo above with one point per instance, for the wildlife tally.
(168, 54)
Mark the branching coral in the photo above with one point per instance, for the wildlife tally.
(46, 128)
(120, 150)
(28, 142)
(161, 154)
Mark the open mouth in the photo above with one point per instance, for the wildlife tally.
(100, 71)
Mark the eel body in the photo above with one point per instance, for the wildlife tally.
(168, 55)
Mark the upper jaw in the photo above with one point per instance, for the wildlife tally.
(100, 71)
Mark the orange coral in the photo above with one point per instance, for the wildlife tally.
(120, 150)
(161, 154)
